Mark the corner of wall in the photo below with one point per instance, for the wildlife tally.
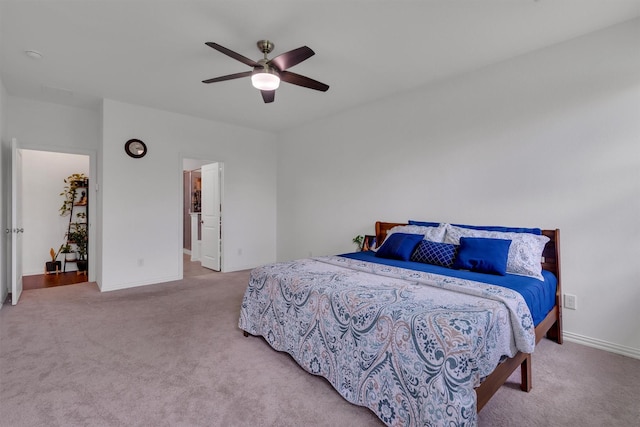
(4, 216)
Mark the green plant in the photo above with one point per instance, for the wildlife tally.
(66, 249)
(79, 236)
(358, 241)
(72, 182)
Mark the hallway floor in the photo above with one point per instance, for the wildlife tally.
(39, 281)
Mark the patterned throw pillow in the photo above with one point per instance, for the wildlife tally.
(435, 253)
(525, 252)
(435, 234)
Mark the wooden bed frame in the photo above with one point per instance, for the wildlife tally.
(551, 326)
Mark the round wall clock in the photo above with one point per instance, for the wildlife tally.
(135, 148)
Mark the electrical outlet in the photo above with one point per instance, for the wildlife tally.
(570, 301)
(240, 251)
(140, 262)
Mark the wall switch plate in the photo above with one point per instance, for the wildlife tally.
(570, 301)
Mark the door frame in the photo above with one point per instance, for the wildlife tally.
(195, 158)
(95, 197)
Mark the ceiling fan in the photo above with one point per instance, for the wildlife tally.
(267, 73)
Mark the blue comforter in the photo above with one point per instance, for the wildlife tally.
(409, 345)
(539, 295)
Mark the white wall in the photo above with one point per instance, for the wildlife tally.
(550, 139)
(140, 217)
(4, 192)
(142, 198)
(44, 126)
(43, 181)
(53, 127)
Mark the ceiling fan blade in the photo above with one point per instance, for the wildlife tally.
(268, 95)
(234, 55)
(228, 77)
(291, 58)
(303, 81)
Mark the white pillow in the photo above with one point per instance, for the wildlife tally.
(434, 234)
(525, 252)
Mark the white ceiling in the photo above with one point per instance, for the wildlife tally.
(152, 52)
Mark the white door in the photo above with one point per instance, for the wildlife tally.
(211, 218)
(16, 222)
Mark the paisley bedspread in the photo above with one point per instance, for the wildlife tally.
(410, 346)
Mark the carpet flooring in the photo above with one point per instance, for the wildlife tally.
(172, 355)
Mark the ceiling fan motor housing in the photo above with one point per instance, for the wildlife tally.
(265, 47)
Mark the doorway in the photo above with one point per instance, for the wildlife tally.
(202, 217)
(43, 179)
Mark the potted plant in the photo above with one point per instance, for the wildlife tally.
(79, 236)
(358, 240)
(69, 254)
(72, 183)
(53, 266)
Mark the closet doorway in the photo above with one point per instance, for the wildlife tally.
(43, 175)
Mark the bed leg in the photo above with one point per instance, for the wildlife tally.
(525, 374)
(555, 332)
(245, 333)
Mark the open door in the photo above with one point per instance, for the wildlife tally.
(211, 238)
(16, 222)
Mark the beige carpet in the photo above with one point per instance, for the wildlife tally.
(172, 355)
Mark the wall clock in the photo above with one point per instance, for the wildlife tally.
(135, 148)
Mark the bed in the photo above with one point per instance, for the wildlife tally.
(417, 344)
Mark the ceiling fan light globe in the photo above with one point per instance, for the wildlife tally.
(265, 81)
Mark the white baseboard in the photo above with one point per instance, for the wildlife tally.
(602, 345)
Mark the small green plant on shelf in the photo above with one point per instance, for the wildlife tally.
(78, 235)
(358, 240)
(72, 183)
(69, 254)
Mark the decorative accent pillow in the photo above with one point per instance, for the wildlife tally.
(525, 252)
(435, 253)
(483, 255)
(435, 234)
(399, 246)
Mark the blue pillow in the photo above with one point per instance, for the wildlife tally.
(536, 231)
(483, 255)
(399, 246)
(424, 223)
(428, 252)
